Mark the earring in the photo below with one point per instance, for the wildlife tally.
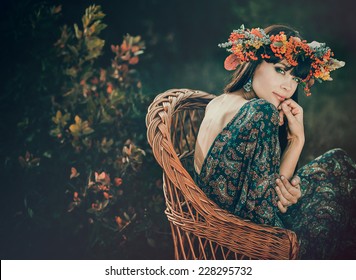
(248, 86)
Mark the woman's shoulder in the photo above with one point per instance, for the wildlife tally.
(261, 109)
(262, 104)
(215, 100)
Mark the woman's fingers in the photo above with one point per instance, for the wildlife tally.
(293, 106)
(288, 185)
(285, 188)
(282, 198)
(281, 208)
(288, 113)
(296, 181)
(290, 109)
(295, 111)
(296, 191)
(291, 103)
(288, 192)
(281, 118)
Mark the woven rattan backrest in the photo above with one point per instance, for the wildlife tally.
(200, 229)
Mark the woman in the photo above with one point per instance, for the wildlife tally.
(251, 138)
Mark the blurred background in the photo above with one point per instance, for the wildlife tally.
(78, 179)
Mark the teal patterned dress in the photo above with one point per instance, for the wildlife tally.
(239, 174)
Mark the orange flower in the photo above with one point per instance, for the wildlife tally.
(117, 181)
(124, 46)
(265, 56)
(235, 36)
(133, 60)
(135, 49)
(256, 32)
(118, 220)
(109, 88)
(114, 48)
(106, 195)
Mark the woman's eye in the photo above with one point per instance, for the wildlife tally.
(298, 80)
(280, 70)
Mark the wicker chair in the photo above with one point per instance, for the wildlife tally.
(200, 229)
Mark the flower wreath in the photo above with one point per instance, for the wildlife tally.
(244, 44)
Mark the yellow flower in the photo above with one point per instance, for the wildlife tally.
(80, 127)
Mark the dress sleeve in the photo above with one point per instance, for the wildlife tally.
(259, 136)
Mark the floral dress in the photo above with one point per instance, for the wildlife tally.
(239, 174)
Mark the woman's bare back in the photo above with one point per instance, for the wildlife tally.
(218, 114)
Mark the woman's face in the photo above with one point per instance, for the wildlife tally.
(273, 83)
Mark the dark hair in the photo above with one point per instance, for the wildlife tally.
(246, 70)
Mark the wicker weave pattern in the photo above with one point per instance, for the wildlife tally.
(200, 229)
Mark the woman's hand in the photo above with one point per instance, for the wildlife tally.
(288, 192)
(294, 114)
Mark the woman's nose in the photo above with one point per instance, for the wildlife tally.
(287, 84)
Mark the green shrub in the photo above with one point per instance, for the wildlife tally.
(87, 184)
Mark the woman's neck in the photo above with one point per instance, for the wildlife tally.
(245, 95)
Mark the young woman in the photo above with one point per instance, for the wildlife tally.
(251, 138)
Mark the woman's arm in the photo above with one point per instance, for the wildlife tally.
(296, 139)
(290, 157)
(289, 192)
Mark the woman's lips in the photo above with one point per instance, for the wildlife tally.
(280, 97)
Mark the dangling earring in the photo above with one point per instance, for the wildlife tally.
(248, 86)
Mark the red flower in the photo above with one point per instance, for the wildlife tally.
(256, 32)
(106, 195)
(231, 62)
(109, 88)
(133, 60)
(118, 220)
(117, 181)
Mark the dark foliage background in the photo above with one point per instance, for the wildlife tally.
(181, 40)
